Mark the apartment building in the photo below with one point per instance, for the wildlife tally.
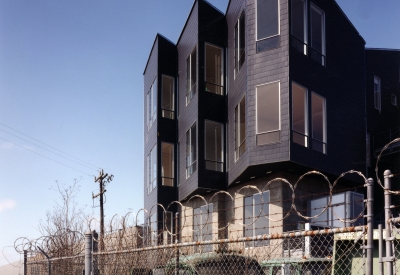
(258, 95)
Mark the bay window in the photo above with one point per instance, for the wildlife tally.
(317, 21)
(213, 70)
(191, 142)
(268, 113)
(267, 27)
(167, 164)
(214, 144)
(299, 115)
(191, 76)
(240, 41)
(240, 128)
(318, 113)
(167, 97)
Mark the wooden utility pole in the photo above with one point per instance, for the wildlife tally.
(102, 179)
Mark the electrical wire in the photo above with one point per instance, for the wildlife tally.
(46, 157)
(49, 150)
(96, 168)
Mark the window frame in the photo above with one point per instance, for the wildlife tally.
(324, 130)
(305, 26)
(151, 111)
(237, 36)
(256, 22)
(190, 92)
(393, 99)
(306, 115)
(221, 163)
(199, 235)
(222, 76)
(172, 110)
(323, 34)
(238, 129)
(172, 164)
(279, 114)
(256, 216)
(378, 94)
(152, 182)
(190, 169)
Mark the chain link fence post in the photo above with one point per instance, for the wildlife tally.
(370, 224)
(88, 253)
(25, 261)
(388, 215)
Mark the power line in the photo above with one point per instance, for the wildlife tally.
(45, 156)
(96, 168)
(49, 150)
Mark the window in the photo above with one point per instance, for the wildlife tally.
(214, 71)
(202, 226)
(191, 75)
(152, 104)
(214, 143)
(267, 28)
(377, 93)
(167, 97)
(167, 164)
(368, 151)
(268, 113)
(256, 208)
(299, 115)
(227, 144)
(178, 157)
(168, 225)
(240, 129)
(240, 41)
(152, 168)
(393, 99)
(317, 19)
(153, 229)
(299, 25)
(318, 113)
(191, 150)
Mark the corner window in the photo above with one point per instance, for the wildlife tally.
(240, 129)
(167, 97)
(214, 143)
(377, 93)
(214, 71)
(317, 19)
(202, 226)
(318, 113)
(393, 99)
(256, 208)
(152, 104)
(191, 75)
(299, 115)
(299, 25)
(267, 28)
(268, 113)
(167, 164)
(240, 41)
(191, 150)
(152, 169)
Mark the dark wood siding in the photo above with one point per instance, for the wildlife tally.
(341, 83)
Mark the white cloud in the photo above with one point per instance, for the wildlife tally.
(7, 204)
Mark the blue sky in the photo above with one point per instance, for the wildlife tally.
(71, 77)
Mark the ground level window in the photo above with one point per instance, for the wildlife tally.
(202, 226)
(256, 211)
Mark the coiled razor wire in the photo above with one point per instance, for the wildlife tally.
(70, 242)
